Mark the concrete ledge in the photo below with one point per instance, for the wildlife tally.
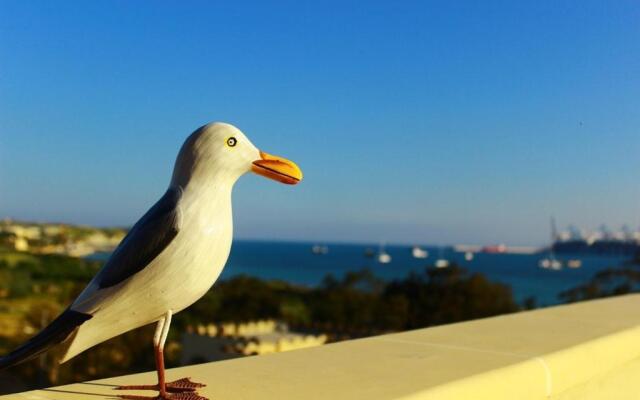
(589, 350)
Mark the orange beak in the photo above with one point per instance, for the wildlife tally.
(277, 168)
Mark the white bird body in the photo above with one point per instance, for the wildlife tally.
(178, 277)
(170, 258)
(191, 263)
(173, 255)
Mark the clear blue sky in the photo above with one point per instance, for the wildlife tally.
(412, 121)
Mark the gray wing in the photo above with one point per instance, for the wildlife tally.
(144, 242)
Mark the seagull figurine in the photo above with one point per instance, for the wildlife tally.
(169, 259)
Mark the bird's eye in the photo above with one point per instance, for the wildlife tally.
(232, 141)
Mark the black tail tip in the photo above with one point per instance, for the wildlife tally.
(57, 332)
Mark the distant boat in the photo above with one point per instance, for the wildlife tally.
(369, 252)
(383, 256)
(551, 262)
(468, 256)
(575, 263)
(441, 262)
(319, 249)
(497, 248)
(418, 252)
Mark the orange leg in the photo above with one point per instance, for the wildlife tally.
(181, 389)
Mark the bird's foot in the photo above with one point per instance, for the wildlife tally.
(178, 386)
(184, 385)
(181, 389)
(168, 396)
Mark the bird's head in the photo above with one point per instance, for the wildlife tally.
(222, 150)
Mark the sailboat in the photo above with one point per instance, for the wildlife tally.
(319, 249)
(574, 263)
(441, 262)
(551, 262)
(419, 252)
(383, 257)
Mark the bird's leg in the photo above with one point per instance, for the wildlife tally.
(180, 385)
(158, 346)
(181, 389)
(157, 340)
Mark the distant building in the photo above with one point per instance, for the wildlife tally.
(24, 231)
(52, 230)
(229, 340)
(75, 241)
(21, 244)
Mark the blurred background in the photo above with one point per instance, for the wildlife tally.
(461, 160)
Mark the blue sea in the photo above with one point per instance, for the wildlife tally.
(294, 262)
